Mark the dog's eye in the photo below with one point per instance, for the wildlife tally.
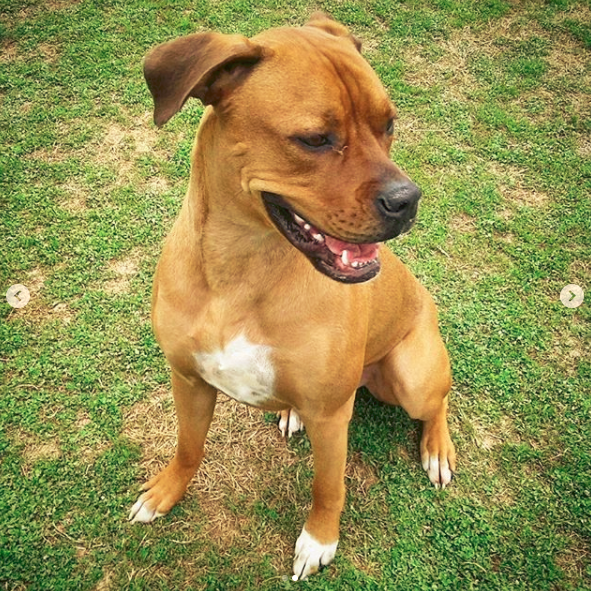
(390, 127)
(315, 140)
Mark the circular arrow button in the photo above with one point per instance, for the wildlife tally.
(572, 296)
(18, 296)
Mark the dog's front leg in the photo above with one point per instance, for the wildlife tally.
(194, 403)
(317, 544)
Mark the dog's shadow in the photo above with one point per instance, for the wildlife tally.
(381, 432)
(378, 433)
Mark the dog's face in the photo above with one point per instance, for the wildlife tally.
(307, 127)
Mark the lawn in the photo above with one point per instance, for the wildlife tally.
(494, 101)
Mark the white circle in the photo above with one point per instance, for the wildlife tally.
(18, 296)
(572, 296)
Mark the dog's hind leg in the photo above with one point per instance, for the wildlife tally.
(194, 402)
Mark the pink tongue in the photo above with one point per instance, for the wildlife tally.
(357, 252)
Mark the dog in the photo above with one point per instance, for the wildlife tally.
(274, 286)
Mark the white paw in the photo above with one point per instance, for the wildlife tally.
(289, 422)
(141, 512)
(311, 555)
(439, 472)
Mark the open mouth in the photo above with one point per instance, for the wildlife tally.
(342, 261)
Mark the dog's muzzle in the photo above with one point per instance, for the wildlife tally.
(342, 261)
(397, 205)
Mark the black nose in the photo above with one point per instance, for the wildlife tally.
(398, 201)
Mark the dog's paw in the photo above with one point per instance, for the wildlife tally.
(438, 456)
(143, 512)
(311, 556)
(289, 422)
(161, 494)
(438, 470)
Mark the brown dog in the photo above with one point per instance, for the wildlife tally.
(272, 286)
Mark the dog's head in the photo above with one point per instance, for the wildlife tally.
(307, 127)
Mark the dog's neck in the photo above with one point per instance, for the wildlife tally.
(236, 248)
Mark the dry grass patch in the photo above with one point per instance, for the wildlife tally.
(31, 12)
(553, 105)
(507, 237)
(245, 454)
(240, 444)
(89, 453)
(63, 312)
(567, 352)
(36, 449)
(462, 224)
(580, 272)
(522, 196)
(408, 131)
(75, 200)
(139, 138)
(511, 27)
(360, 476)
(579, 102)
(61, 4)
(120, 146)
(158, 185)
(584, 147)
(35, 281)
(105, 583)
(40, 313)
(570, 59)
(472, 268)
(574, 560)
(124, 269)
(244, 458)
(451, 71)
(52, 155)
(480, 456)
(48, 52)
(488, 437)
(512, 186)
(543, 103)
(9, 51)
(223, 527)
(579, 12)
(369, 46)
(152, 426)
(41, 450)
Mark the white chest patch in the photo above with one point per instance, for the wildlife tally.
(242, 370)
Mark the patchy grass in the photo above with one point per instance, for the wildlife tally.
(494, 100)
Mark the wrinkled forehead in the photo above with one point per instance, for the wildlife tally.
(309, 71)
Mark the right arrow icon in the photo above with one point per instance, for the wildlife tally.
(572, 296)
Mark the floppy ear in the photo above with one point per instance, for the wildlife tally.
(323, 21)
(204, 65)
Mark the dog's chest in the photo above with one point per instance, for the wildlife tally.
(241, 369)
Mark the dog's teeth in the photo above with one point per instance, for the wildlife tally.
(345, 257)
(318, 237)
(307, 227)
(355, 264)
(298, 219)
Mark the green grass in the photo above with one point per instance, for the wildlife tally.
(495, 124)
